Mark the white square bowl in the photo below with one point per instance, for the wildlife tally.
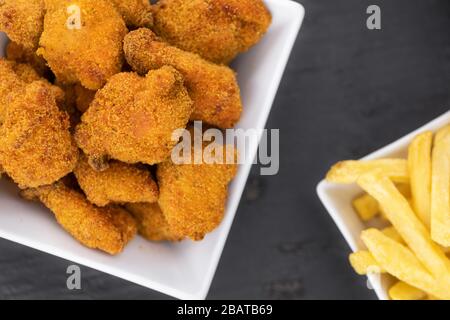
(182, 270)
(337, 199)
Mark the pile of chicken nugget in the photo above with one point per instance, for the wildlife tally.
(90, 95)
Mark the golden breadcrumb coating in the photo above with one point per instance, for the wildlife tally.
(90, 55)
(213, 88)
(151, 222)
(120, 183)
(218, 30)
(20, 54)
(14, 77)
(193, 196)
(36, 147)
(84, 98)
(69, 104)
(108, 229)
(22, 21)
(132, 118)
(136, 13)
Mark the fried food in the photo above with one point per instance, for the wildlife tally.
(419, 168)
(36, 147)
(364, 263)
(218, 30)
(89, 55)
(440, 194)
(20, 54)
(108, 229)
(120, 183)
(349, 171)
(84, 98)
(152, 223)
(214, 89)
(22, 21)
(403, 291)
(132, 118)
(192, 196)
(366, 207)
(408, 225)
(13, 79)
(136, 13)
(401, 262)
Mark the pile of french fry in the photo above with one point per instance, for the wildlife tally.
(413, 195)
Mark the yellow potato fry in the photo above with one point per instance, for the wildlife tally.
(366, 207)
(405, 189)
(403, 291)
(402, 217)
(392, 233)
(440, 190)
(399, 261)
(419, 167)
(363, 262)
(349, 171)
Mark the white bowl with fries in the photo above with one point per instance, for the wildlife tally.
(338, 198)
(183, 270)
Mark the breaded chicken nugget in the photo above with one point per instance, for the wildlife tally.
(89, 55)
(218, 30)
(36, 147)
(22, 21)
(14, 77)
(108, 229)
(136, 13)
(151, 222)
(20, 54)
(192, 196)
(132, 119)
(120, 183)
(213, 88)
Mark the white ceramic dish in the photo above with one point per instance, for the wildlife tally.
(181, 270)
(337, 200)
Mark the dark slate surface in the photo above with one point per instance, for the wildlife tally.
(347, 91)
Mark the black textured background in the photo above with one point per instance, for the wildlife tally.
(347, 91)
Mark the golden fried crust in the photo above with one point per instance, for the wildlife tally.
(120, 183)
(90, 55)
(36, 147)
(84, 98)
(132, 119)
(213, 88)
(108, 229)
(136, 13)
(218, 30)
(10, 83)
(152, 224)
(22, 21)
(14, 77)
(20, 54)
(192, 197)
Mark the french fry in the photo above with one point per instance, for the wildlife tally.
(440, 190)
(401, 262)
(364, 263)
(419, 167)
(402, 217)
(403, 291)
(392, 233)
(405, 189)
(366, 207)
(347, 172)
